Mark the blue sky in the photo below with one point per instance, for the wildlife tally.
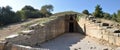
(65, 5)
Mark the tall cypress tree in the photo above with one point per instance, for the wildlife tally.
(114, 16)
(98, 12)
(118, 16)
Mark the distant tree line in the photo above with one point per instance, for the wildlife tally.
(98, 13)
(7, 16)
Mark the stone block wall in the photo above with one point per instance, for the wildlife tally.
(38, 33)
(1, 45)
(98, 31)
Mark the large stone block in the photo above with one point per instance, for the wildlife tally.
(2, 44)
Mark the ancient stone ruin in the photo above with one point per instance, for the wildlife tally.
(51, 27)
(39, 32)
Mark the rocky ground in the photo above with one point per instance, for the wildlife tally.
(76, 41)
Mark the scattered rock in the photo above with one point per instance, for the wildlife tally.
(105, 49)
(76, 49)
(79, 48)
(117, 31)
(105, 24)
(91, 47)
(94, 47)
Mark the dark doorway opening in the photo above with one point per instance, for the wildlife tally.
(71, 18)
(71, 27)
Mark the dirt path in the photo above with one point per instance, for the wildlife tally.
(12, 29)
(74, 41)
(63, 42)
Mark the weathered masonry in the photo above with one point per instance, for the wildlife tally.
(42, 31)
(71, 23)
(49, 28)
(101, 29)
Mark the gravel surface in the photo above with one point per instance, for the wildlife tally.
(75, 41)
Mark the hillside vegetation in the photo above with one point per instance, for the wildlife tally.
(99, 13)
(7, 16)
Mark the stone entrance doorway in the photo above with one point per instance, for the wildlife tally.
(71, 27)
(71, 23)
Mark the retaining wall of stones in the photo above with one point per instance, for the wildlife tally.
(100, 30)
(35, 34)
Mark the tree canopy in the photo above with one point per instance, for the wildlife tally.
(98, 12)
(28, 8)
(7, 16)
(118, 16)
(101, 14)
(85, 12)
(46, 10)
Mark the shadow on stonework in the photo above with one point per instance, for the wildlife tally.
(73, 34)
(63, 42)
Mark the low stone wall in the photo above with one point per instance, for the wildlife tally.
(95, 29)
(38, 33)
